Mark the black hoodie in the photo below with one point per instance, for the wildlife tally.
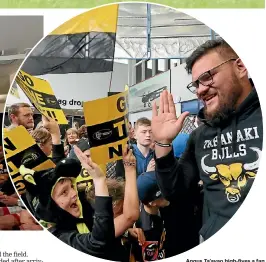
(223, 154)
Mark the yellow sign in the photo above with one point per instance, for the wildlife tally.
(83, 180)
(108, 128)
(41, 96)
(20, 147)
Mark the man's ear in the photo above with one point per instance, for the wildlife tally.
(12, 117)
(241, 68)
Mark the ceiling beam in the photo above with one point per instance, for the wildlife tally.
(12, 57)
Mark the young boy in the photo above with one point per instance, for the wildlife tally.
(56, 191)
(142, 150)
(150, 220)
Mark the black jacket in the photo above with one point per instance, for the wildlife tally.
(57, 155)
(102, 236)
(225, 156)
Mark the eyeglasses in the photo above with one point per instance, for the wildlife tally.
(205, 78)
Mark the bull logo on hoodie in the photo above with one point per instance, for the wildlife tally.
(234, 176)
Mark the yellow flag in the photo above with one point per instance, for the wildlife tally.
(102, 19)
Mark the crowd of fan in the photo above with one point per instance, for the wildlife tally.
(140, 211)
(149, 205)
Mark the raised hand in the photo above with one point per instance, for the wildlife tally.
(50, 124)
(93, 169)
(129, 159)
(165, 125)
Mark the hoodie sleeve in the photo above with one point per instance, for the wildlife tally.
(58, 153)
(98, 241)
(177, 177)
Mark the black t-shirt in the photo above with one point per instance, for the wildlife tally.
(154, 231)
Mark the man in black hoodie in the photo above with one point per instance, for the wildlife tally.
(224, 152)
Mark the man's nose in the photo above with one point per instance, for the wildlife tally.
(202, 90)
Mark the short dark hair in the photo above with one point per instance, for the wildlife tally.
(218, 45)
(14, 109)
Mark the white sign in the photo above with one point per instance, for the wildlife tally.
(142, 95)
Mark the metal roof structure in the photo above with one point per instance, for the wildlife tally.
(149, 31)
(144, 32)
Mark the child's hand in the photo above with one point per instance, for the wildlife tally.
(93, 169)
(129, 159)
(138, 234)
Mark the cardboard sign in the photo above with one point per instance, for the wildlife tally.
(41, 96)
(20, 147)
(107, 126)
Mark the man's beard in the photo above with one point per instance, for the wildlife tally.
(227, 104)
(27, 126)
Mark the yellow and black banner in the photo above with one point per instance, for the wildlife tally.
(107, 125)
(41, 96)
(84, 44)
(20, 148)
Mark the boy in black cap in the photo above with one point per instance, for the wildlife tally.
(56, 191)
(150, 220)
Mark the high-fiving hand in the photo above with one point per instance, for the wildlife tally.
(165, 125)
